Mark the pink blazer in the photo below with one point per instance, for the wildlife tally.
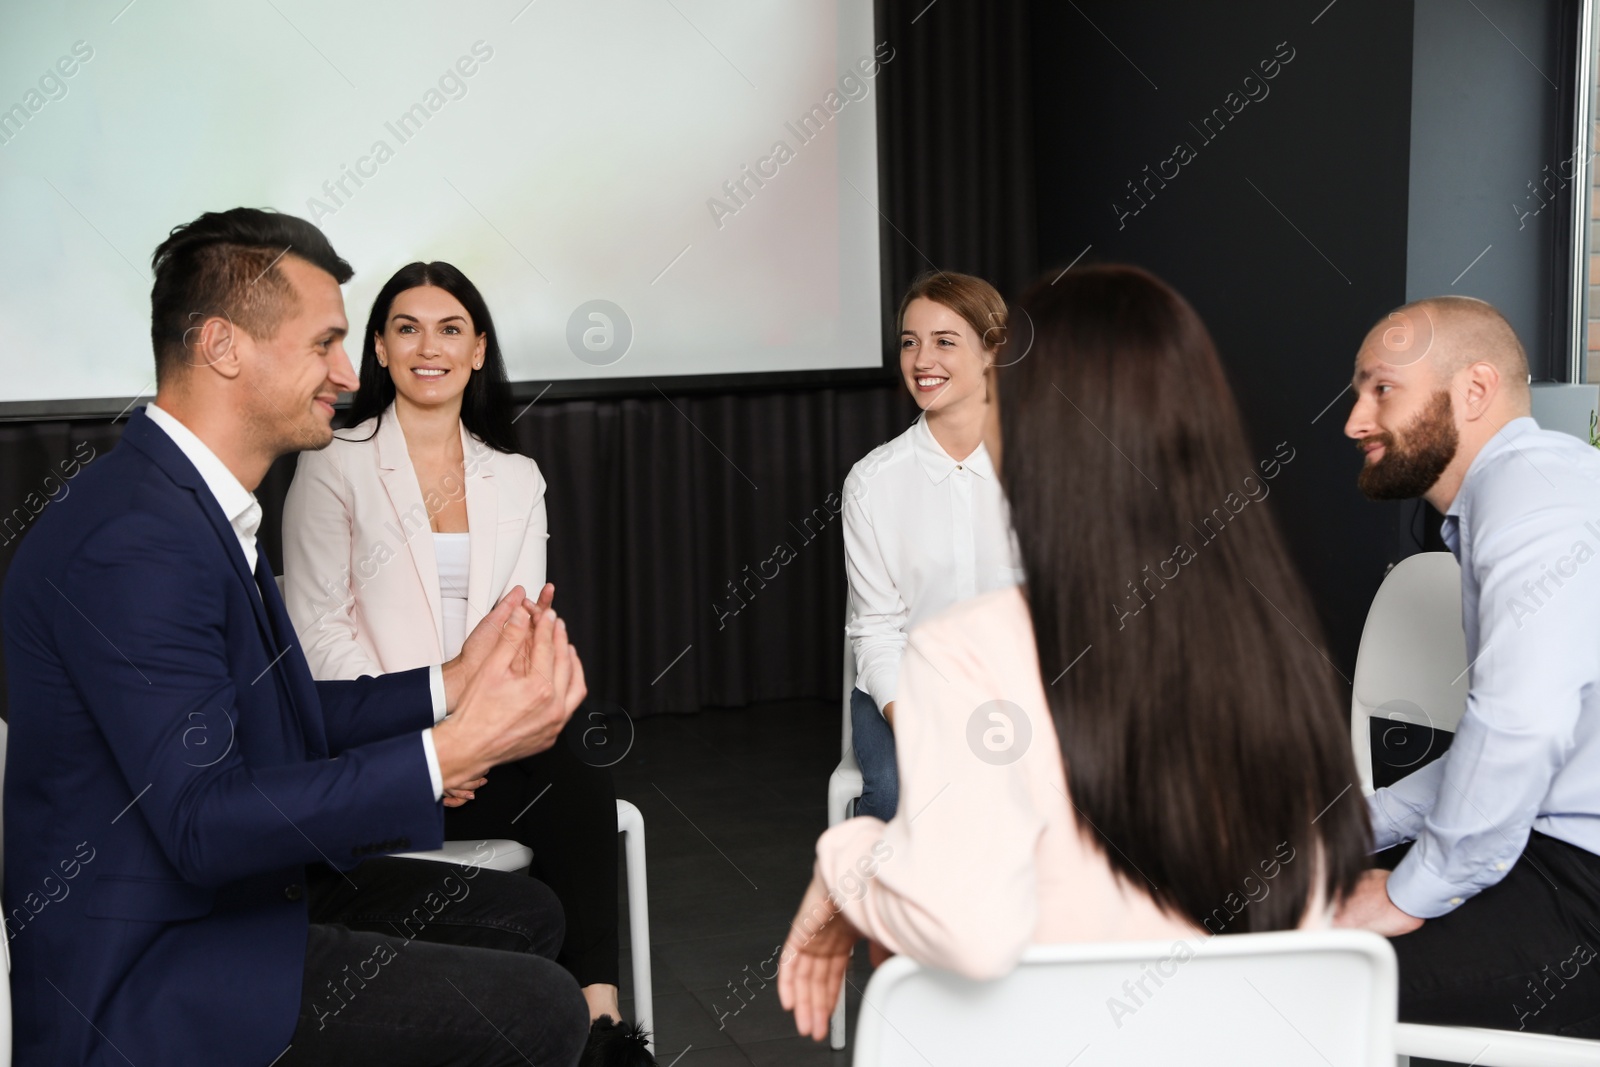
(360, 579)
(986, 854)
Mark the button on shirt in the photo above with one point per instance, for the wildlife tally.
(1525, 528)
(243, 513)
(922, 531)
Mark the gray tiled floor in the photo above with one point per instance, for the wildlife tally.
(733, 802)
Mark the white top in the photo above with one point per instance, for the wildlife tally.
(360, 579)
(1525, 527)
(452, 553)
(244, 515)
(922, 531)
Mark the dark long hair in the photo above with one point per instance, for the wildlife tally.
(486, 402)
(1203, 733)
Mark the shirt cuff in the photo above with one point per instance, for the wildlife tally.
(436, 687)
(881, 692)
(434, 774)
(1422, 894)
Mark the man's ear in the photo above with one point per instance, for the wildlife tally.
(212, 342)
(1480, 385)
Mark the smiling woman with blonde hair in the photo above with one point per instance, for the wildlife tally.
(924, 519)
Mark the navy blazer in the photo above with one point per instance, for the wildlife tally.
(171, 769)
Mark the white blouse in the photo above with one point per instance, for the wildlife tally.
(922, 531)
(451, 552)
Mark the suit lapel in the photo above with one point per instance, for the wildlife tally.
(261, 590)
(290, 668)
(411, 514)
(153, 441)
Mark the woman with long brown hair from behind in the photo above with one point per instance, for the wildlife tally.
(1143, 741)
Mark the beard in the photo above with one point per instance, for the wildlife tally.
(1409, 470)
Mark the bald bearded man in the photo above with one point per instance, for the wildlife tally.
(1494, 911)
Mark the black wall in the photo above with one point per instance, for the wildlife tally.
(1286, 230)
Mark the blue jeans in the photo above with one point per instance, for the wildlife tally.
(873, 741)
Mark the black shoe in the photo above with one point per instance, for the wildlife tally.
(614, 1044)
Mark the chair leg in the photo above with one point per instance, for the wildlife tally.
(838, 811)
(630, 824)
(840, 796)
(836, 1034)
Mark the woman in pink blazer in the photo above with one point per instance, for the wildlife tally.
(1145, 740)
(402, 534)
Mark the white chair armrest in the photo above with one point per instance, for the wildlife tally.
(496, 855)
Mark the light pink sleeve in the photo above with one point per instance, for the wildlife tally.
(529, 569)
(317, 537)
(951, 880)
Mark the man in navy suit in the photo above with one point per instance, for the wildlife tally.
(186, 810)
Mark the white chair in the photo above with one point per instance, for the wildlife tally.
(493, 855)
(630, 824)
(1298, 999)
(501, 855)
(1412, 662)
(844, 788)
(1412, 667)
(1492, 1048)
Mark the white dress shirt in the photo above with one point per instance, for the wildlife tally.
(1525, 527)
(922, 531)
(243, 513)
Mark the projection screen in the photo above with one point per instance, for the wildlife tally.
(643, 189)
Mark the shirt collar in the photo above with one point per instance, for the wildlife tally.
(936, 462)
(1504, 439)
(1450, 528)
(238, 504)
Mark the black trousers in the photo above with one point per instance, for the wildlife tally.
(1522, 955)
(412, 963)
(566, 811)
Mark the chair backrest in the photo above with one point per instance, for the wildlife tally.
(1314, 999)
(1412, 663)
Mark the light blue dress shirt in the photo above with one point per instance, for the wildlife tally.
(1525, 528)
